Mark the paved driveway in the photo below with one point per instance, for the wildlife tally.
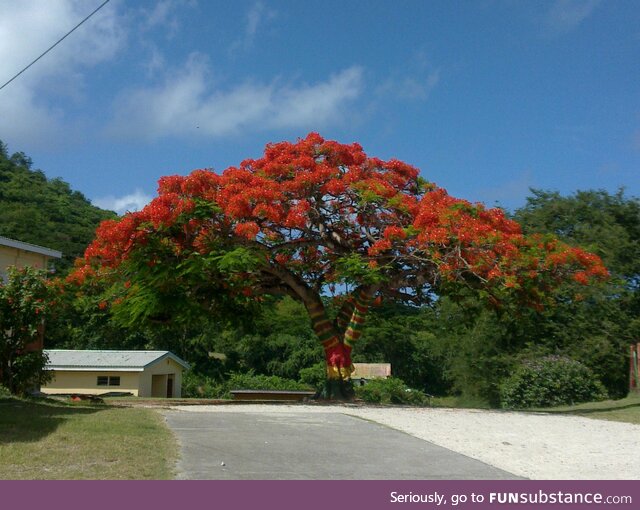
(318, 446)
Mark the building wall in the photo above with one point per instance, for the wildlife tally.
(10, 256)
(163, 367)
(140, 384)
(86, 382)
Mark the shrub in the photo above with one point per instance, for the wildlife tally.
(251, 381)
(390, 391)
(196, 385)
(4, 392)
(314, 376)
(550, 381)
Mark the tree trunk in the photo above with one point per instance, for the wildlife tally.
(337, 340)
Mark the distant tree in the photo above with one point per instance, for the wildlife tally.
(280, 341)
(405, 336)
(24, 304)
(314, 217)
(606, 224)
(597, 328)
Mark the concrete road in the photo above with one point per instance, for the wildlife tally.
(288, 446)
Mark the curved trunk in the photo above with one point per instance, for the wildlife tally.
(337, 339)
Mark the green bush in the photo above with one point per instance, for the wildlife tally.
(314, 376)
(251, 381)
(4, 392)
(390, 391)
(196, 385)
(551, 381)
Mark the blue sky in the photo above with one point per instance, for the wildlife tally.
(486, 97)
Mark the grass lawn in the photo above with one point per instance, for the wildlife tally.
(56, 441)
(626, 409)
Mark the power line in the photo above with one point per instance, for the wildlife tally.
(57, 42)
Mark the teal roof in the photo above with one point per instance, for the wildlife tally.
(5, 241)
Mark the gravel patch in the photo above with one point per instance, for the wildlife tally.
(537, 446)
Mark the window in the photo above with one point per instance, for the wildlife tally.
(104, 380)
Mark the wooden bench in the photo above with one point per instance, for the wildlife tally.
(266, 395)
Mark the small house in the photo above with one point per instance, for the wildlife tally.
(364, 372)
(19, 254)
(141, 373)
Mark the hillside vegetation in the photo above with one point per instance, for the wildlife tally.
(46, 212)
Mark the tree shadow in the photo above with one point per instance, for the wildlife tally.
(31, 420)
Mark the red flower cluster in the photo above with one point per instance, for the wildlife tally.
(306, 205)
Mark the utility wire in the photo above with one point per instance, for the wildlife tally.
(56, 44)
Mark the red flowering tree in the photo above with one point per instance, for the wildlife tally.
(314, 216)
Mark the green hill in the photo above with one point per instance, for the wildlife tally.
(44, 211)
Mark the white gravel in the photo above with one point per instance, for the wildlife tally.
(537, 446)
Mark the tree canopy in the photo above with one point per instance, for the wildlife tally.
(318, 216)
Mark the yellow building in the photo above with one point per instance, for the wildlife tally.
(19, 254)
(141, 373)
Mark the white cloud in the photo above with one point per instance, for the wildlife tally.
(164, 14)
(188, 104)
(321, 103)
(414, 81)
(155, 63)
(27, 29)
(257, 17)
(128, 203)
(411, 87)
(254, 18)
(567, 15)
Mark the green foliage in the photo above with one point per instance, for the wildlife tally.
(404, 336)
(551, 381)
(314, 376)
(390, 391)
(596, 324)
(4, 392)
(196, 385)
(280, 341)
(82, 320)
(251, 381)
(237, 260)
(355, 269)
(24, 304)
(608, 225)
(44, 211)
(28, 372)
(477, 346)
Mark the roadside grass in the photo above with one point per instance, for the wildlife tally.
(625, 410)
(460, 402)
(49, 440)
